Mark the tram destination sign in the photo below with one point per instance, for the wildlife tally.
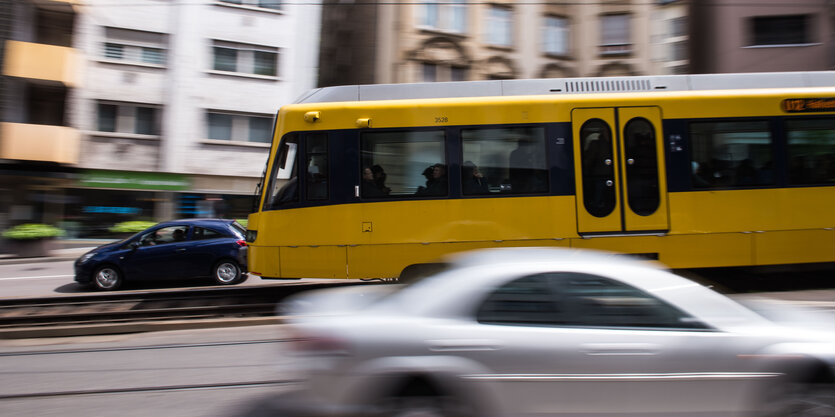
(808, 105)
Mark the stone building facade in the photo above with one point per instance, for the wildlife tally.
(398, 42)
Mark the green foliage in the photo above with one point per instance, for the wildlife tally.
(243, 222)
(133, 226)
(31, 231)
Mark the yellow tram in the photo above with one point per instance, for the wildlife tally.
(692, 170)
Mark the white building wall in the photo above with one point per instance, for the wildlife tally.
(186, 86)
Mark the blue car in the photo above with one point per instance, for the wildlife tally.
(179, 249)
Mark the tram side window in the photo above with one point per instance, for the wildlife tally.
(731, 154)
(317, 166)
(811, 151)
(283, 187)
(403, 163)
(504, 160)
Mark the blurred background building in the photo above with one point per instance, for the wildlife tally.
(150, 109)
(396, 42)
(762, 35)
(145, 109)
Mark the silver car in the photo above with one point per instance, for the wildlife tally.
(532, 332)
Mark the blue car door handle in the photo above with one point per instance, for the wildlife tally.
(181, 250)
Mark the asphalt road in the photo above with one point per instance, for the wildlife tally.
(206, 373)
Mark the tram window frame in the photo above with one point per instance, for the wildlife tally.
(384, 151)
(731, 172)
(501, 177)
(277, 190)
(810, 164)
(317, 184)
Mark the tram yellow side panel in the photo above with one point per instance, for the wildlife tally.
(263, 261)
(387, 261)
(795, 246)
(313, 262)
(679, 251)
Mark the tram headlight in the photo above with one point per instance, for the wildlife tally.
(251, 235)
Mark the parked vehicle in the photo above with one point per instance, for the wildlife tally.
(524, 332)
(179, 249)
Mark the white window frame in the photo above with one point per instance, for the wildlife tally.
(556, 38)
(240, 128)
(615, 34)
(131, 50)
(126, 118)
(245, 59)
(254, 5)
(499, 27)
(444, 16)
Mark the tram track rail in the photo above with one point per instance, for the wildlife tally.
(102, 313)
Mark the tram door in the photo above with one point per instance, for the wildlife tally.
(619, 170)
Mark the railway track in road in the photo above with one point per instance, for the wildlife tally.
(103, 313)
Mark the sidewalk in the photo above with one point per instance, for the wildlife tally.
(68, 250)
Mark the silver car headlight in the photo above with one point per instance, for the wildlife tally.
(86, 257)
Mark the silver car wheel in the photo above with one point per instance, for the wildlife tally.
(107, 278)
(227, 272)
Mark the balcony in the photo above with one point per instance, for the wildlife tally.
(41, 62)
(39, 143)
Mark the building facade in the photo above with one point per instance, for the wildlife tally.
(39, 147)
(398, 42)
(762, 35)
(174, 104)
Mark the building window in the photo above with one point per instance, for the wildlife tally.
(447, 16)
(555, 35)
(500, 26)
(265, 4)
(247, 59)
(128, 118)
(781, 30)
(431, 72)
(614, 36)
(134, 47)
(678, 26)
(240, 128)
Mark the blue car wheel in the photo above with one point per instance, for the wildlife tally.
(107, 278)
(227, 272)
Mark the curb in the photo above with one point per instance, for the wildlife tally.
(137, 327)
(18, 261)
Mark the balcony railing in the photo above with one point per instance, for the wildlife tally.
(46, 143)
(41, 62)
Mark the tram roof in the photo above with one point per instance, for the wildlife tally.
(545, 86)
